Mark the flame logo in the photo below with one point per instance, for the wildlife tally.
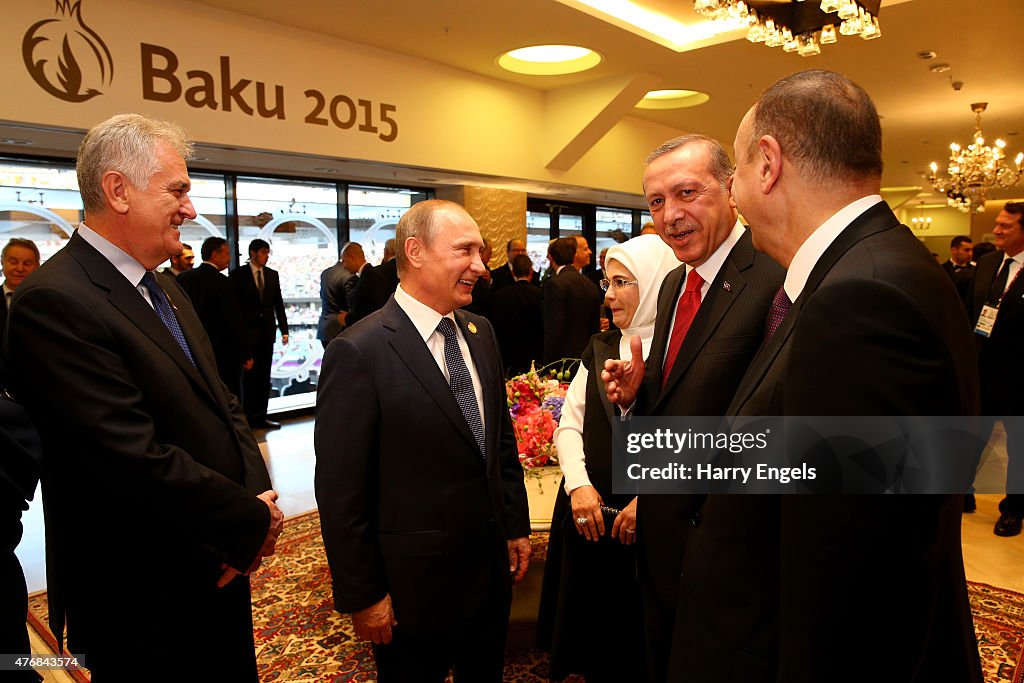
(50, 48)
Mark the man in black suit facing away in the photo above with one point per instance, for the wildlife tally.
(503, 276)
(259, 295)
(337, 286)
(20, 459)
(518, 320)
(148, 464)
(711, 315)
(418, 482)
(999, 287)
(572, 305)
(374, 287)
(216, 302)
(782, 588)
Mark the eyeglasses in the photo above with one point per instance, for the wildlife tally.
(617, 283)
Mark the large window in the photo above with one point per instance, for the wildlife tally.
(373, 213)
(614, 226)
(299, 220)
(40, 202)
(207, 195)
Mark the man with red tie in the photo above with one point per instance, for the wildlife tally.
(711, 321)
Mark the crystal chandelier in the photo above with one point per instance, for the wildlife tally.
(972, 171)
(797, 25)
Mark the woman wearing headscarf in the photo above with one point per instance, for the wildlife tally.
(590, 588)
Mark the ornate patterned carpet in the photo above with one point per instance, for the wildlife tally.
(301, 639)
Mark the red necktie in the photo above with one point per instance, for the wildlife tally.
(686, 310)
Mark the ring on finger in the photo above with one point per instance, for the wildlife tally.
(582, 521)
(630, 531)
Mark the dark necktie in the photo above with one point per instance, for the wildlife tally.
(780, 307)
(259, 283)
(999, 284)
(461, 381)
(686, 311)
(162, 305)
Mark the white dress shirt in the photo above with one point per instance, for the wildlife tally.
(125, 264)
(810, 252)
(426, 319)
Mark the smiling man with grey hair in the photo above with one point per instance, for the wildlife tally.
(148, 465)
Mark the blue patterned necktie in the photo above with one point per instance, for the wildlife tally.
(461, 381)
(163, 309)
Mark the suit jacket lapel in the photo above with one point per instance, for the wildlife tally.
(877, 218)
(415, 355)
(130, 303)
(713, 309)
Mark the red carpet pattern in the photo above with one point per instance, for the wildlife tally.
(301, 639)
(999, 625)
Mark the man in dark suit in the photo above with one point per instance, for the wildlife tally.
(998, 285)
(503, 276)
(148, 465)
(781, 588)
(375, 286)
(518, 320)
(693, 367)
(960, 268)
(20, 459)
(481, 303)
(572, 305)
(182, 262)
(337, 286)
(216, 302)
(259, 295)
(18, 259)
(418, 483)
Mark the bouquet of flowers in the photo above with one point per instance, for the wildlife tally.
(535, 401)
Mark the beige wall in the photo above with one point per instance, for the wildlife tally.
(446, 118)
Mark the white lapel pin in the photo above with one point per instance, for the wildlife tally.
(726, 286)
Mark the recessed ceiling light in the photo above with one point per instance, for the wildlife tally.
(672, 99)
(14, 141)
(549, 60)
(324, 169)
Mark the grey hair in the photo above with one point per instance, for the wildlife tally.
(125, 143)
(720, 166)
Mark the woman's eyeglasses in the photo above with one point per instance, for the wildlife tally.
(617, 283)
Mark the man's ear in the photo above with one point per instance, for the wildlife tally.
(117, 191)
(414, 251)
(771, 162)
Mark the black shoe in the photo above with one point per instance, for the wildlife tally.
(1009, 524)
(969, 503)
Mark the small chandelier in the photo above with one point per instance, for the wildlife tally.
(796, 25)
(973, 171)
(920, 221)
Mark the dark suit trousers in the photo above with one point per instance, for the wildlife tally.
(256, 382)
(476, 654)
